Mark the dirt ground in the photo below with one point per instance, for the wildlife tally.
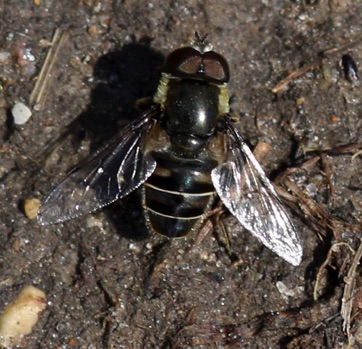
(110, 284)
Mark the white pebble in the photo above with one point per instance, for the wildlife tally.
(20, 316)
(4, 56)
(21, 113)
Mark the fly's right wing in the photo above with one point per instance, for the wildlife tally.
(106, 176)
(248, 194)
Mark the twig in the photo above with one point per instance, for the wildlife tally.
(324, 265)
(356, 155)
(296, 74)
(314, 64)
(340, 150)
(350, 283)
(38, 94)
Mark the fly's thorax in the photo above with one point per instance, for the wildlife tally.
(166, 80)
(191, 110)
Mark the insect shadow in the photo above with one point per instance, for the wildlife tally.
(120, 79)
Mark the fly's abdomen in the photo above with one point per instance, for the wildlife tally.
(178, 194)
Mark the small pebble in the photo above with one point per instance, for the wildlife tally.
(19, 317)
(21, 113)
(4, 56)
(31, 208)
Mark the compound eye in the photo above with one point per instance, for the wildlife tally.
(184, 60)
(189, 63)
(216, 67)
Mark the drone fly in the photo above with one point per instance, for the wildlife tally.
(184, 152)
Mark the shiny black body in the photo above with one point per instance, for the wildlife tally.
(180, 192)
(184, 152)
(191, 113)
(176, 204)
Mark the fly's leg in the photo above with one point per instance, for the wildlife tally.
(213, 218)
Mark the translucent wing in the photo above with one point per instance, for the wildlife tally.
(109, 174)
(248, 194)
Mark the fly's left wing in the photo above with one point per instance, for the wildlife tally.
(248, 194)
(111, 173)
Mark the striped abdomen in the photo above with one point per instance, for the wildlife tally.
(178, 194)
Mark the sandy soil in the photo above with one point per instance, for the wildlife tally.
(109, 283)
